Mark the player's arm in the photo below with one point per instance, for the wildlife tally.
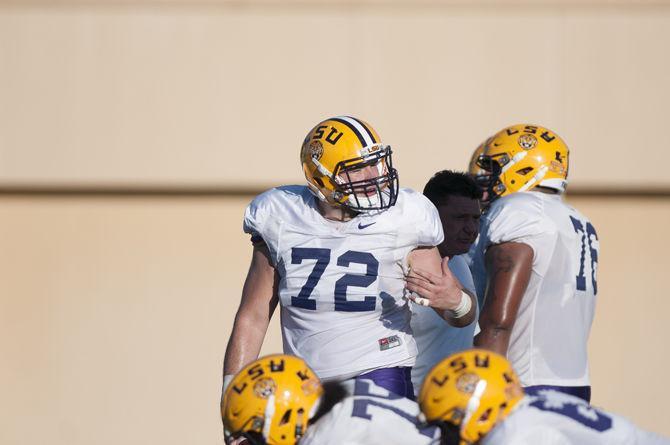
(508, 267)
(431, 278)
(259, 300)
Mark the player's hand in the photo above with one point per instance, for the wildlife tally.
(439, 292)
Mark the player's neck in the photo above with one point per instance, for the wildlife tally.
(335, 213)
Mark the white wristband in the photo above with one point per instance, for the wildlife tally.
(463, 307)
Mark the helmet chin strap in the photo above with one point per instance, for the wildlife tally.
(316, 192)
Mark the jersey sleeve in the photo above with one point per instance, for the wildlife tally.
(518, 218)
(425, 220)
(254, 220)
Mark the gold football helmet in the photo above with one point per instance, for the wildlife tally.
(271, 400)
(345, 164)
(522, 157)
(471, 390)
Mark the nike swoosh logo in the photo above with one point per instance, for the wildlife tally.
(363, 226)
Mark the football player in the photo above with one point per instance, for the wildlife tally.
(278, 400)
(334, 254)
(535, 263)
(476, 398)
(456, 197)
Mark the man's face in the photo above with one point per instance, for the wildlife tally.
(365, 173)
(460, 222)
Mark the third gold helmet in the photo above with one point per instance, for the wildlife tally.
(472, 391)
(522, 157)
(271, 400)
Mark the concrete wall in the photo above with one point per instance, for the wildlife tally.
(115, 310)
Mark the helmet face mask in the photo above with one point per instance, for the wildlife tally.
(491, 180)
(346, 165)
(377, 192)
(481, 175)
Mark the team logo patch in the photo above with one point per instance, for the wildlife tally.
(467, 382)
(527, 141)
(264, 388)
(316, 149)
(389, 342)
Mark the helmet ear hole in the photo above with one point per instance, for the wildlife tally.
(286, 418)
(485, 415)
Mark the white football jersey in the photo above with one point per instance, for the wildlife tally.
(342, 284)
(371, 416)
(548, 340)
(435, 338)
(554, 418)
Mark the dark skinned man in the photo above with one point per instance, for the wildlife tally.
(535, 263)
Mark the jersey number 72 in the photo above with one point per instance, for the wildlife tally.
(322, 257)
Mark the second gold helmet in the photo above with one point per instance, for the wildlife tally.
(271, 400)
(471, 390)
(522, 157)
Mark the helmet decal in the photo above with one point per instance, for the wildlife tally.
(264, 388)
(316, 149)
(527, 141)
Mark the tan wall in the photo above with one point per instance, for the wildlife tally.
(114, 317)
(114, 312)
(185, 92)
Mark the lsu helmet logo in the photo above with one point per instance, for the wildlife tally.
(316, 149)
(467, 382)
(527, 141)
(264, 388)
